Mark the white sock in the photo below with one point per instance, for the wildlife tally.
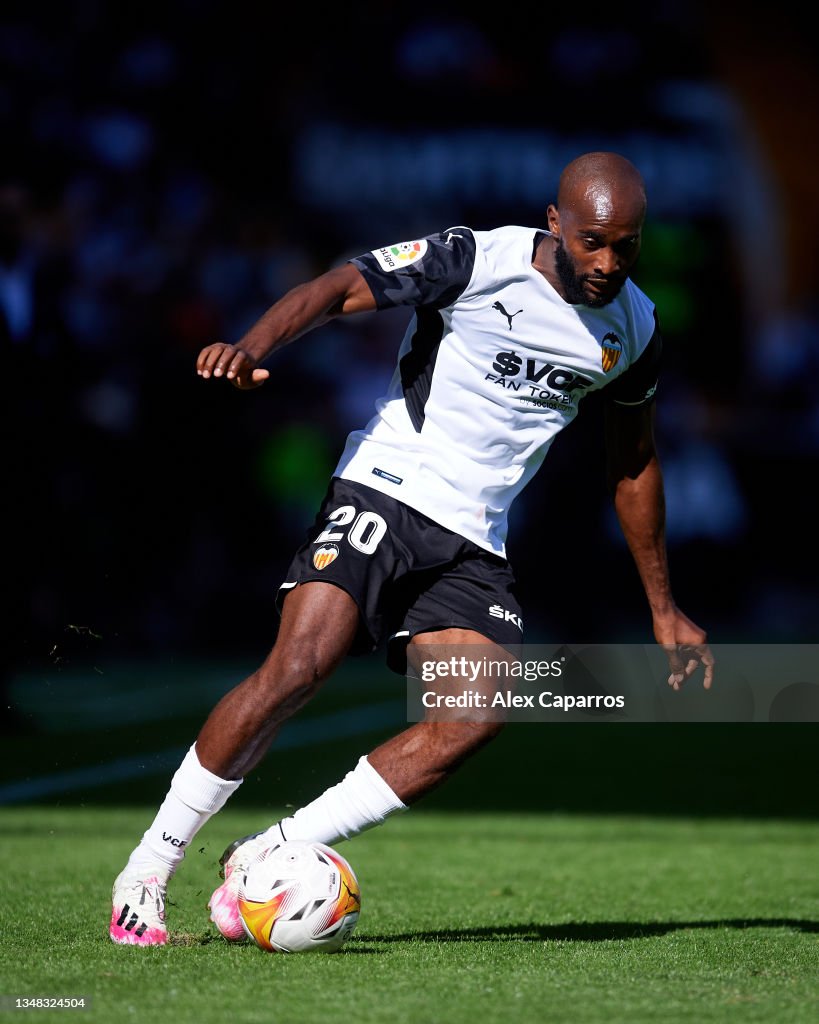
(195, 796)
(361, 800)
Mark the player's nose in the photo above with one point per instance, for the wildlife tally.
(607, 263)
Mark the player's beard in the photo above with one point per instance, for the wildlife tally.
(572, 282)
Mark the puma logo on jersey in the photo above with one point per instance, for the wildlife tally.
(509, 316)
(450, 236)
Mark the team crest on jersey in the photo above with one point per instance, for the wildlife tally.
(393, 257)
(324, 555)
(611, 349)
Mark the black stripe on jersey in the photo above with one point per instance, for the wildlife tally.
(637, 384)
(418, 364)
(437, 279)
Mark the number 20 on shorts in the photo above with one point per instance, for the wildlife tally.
(364, 535)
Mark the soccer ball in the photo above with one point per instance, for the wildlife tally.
(298, 897)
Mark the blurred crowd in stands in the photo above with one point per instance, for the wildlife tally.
(169, 171)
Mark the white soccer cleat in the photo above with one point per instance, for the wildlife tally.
(138, 912)
(224, 903)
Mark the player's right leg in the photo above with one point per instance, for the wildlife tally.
(392, 777)
(318, 625)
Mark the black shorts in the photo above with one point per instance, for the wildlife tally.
(406, 573)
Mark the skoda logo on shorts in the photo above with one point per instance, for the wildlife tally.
(324, 555)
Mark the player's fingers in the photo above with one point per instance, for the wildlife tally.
(246, 379)
(708, 661)
(202, 360)
(213, 360)
(239, 366)
(676, 664)
(230, 364)
(703, 657)
(691, 666)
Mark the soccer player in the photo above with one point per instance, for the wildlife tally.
(510, 328)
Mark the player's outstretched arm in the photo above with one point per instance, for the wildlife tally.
(338, 292)
(636, 483)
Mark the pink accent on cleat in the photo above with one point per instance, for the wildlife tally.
(224, 911)
(138, 914)
(224, 903)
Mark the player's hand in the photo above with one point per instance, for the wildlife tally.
(686, 647)
(233, 363)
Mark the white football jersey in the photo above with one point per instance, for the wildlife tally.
(493, 365)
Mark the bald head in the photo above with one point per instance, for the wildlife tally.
(595, 228)
(603, 184)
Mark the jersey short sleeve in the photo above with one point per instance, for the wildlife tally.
(431, 271)
(638, 384)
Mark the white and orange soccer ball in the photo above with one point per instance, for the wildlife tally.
(299, 897)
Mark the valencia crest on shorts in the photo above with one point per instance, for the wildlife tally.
(323, 556)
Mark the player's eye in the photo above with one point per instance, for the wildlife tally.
(626, 245)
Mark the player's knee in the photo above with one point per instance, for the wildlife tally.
(468, 736)
(295, 673)
(487, 731)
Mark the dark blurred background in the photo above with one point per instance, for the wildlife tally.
(170, 170)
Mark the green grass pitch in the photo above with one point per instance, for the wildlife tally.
(566, 875)
(465, 917)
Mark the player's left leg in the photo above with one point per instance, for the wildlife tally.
(415, 761)
(390, 778)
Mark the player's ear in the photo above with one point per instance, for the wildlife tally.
(553, 219)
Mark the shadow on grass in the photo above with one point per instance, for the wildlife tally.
(589, 931)
(584, 931)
